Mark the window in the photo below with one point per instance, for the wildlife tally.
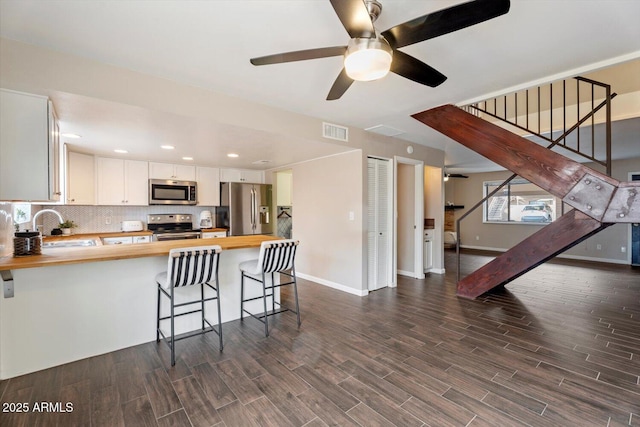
(519, 202)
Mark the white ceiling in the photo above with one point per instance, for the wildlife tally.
(208, 44)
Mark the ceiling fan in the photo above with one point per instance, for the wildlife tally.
(370, 54)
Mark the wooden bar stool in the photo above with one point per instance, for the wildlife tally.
(189, 267)
(277, 256)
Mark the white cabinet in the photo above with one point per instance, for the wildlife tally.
(284, 183)
(126, 240)
(117, 240)
(241, 175)
(29, 148)
(213, 234)
(171, 171)
(81, 189)
(208, 186)
(122, 182)
(141, 239)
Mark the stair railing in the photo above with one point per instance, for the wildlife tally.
(510, 116)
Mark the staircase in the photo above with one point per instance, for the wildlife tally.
(598, 200)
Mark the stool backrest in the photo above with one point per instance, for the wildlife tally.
(192, 266)
(277, 255)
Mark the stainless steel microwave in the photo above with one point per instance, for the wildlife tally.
(171, 192)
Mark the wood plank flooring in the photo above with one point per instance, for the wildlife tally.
(560, 346)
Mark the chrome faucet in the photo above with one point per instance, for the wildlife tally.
(40, 212)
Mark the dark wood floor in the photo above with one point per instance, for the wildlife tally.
(560, 346)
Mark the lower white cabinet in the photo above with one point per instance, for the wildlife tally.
(213, 234)
(126, 240)
(141, 239)
(117, 240)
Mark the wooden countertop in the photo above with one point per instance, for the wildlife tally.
(62, 256)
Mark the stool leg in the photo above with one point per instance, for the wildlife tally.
(173, 344)
(202, 303)
(158, 318)
(295, 292)
(264, 299)
(273, 293)
(242, 296)
(219, 312)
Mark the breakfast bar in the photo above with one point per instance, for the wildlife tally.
(73, 303)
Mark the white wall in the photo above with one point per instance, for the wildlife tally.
(505, 236)
(325, 193)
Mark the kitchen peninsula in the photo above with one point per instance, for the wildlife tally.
(73, 303)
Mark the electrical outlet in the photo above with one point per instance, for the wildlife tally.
(599, 247)
(107, 220)
(477, 237)
(623, 249)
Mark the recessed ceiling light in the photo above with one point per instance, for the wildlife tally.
(118, 150)
(167, 147)
(232, 155)
(71, 135)
(187, 158)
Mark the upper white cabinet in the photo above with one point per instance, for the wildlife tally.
(208, 186)
(29, 148)
(122, 182)
(171, 171)
(81, 189)
(284, 184)
(241, 175)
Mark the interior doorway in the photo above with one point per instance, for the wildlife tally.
(635, 231)
(409, 219)
(284, 203)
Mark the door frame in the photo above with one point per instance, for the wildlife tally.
(630, 239)
(418, 215)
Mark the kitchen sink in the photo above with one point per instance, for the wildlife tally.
(75, 243)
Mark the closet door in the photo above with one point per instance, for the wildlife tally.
(379, 223)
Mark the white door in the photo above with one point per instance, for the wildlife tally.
(379, 223)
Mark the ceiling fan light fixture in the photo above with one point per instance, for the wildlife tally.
(368, 59)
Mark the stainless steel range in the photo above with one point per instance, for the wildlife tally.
(172, 227)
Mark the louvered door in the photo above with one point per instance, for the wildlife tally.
(379, 223)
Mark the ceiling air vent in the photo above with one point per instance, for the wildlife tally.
(332, 131)
(385, 130)
(261, 162)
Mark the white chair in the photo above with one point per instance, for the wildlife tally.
(276, 256)
(189, 267)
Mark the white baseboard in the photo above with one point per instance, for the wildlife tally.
(437, 270)
(406, 273)
(334, 285)
(566, 256)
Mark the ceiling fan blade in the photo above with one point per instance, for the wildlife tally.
(445, 21)
(409, 67)
(340, 86)
(354, 17)
(299, 55)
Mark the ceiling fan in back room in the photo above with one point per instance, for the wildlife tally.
(371, 54)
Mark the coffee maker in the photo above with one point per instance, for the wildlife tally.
(206, 220)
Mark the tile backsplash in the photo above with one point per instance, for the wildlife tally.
(6, 229)
(93, 219)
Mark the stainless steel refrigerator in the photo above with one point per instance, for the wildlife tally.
(245, 208)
